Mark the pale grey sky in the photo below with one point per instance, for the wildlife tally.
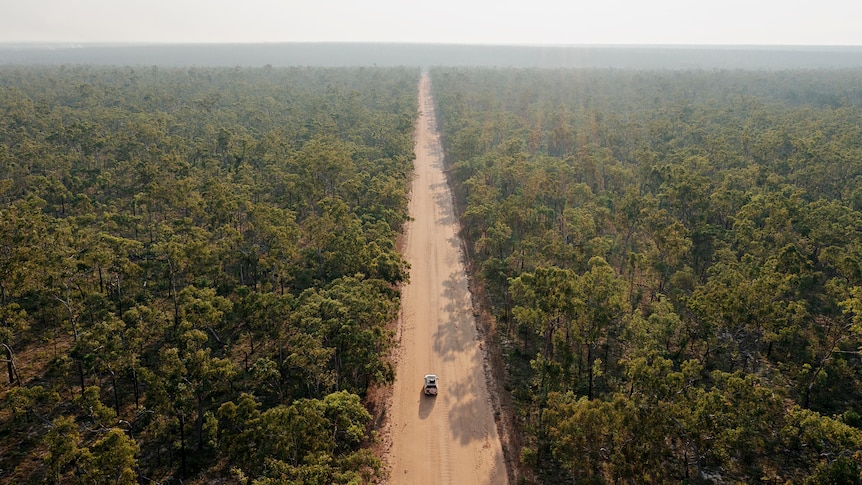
(776, 22)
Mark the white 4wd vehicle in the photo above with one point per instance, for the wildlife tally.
(430, 385)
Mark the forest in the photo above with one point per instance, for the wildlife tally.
(198, 270)
(673, 260)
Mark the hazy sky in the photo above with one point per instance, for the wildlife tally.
(814, 22)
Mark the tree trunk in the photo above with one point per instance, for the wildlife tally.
(135, 387)
(199, 423)
(119, 295)
(116, 395)
(549, 341)
(182, 446)
(174, 296)
(11, 367)
(81, 376)
(696, 461)
(590, 372)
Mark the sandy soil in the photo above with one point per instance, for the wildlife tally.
(451, 438)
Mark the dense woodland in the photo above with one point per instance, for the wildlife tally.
(197, 270)
(198, 267)
(674, 261)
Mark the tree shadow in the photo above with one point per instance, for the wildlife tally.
(466, 409)
(454, 330)
(444, 204)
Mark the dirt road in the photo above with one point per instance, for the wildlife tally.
(451, 438)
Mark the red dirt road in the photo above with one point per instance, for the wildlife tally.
(451, 438)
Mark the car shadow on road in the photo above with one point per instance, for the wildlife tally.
(426, 404)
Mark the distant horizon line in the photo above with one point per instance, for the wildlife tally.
(78, 45)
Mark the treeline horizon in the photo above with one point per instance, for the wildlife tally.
(370, 54)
